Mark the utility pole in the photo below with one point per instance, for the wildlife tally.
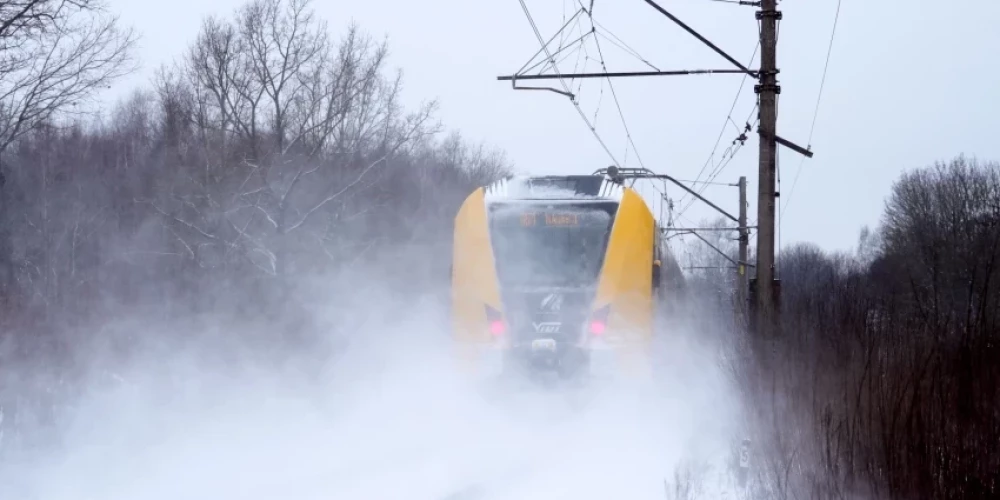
(766, 289)
(741, 292)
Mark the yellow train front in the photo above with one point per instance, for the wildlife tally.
(555, 275)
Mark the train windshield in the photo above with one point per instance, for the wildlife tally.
(550, 246)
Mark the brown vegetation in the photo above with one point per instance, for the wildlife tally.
(883, 381)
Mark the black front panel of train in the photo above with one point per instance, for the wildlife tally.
(555, 314)
(548, 261)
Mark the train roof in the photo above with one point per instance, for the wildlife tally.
(555, 187)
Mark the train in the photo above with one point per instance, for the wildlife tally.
(558, 276)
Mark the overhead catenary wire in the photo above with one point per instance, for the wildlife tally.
(614, 95)
(546, 63)
(581, 40)
(560, 33)
(562, 81)
(737, 144)
(718, 166)
(614, 39)
(819, 97)
(722, 131)
(733, 107)
(624, 46)
(730, 151)
(621, 44)
(724, 161)
(562, 38)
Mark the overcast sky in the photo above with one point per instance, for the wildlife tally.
(910, 82)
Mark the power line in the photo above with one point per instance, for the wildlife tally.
(614, 95)
(615, 40)
(724, 161)
(735, 100)
(819, 96)
(741, 138)
(555, 68)
(560, 33)
(581, 40)
(545, 63)
(624, 46)
(728, 117)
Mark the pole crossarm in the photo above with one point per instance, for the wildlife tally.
(788, 144)
(703, 39)
(619, 174)
(624, 74)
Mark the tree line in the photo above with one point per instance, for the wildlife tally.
(269, 147)
(884, 377)
(270, 154)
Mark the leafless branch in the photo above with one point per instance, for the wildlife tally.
(60, 53)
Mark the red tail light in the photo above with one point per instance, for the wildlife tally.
(495, 320)
(597, 327)
(496, 327)
(599, 320)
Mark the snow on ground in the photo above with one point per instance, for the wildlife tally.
(388, 424)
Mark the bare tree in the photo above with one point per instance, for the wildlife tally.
(54, 54)
(284, 44)
(212, 64)
(318, 123)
